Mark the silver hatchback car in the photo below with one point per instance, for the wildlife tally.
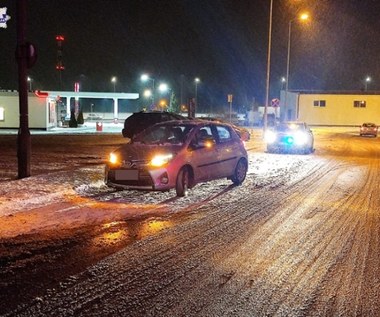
(178, 154)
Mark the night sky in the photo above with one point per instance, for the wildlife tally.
(223, 42)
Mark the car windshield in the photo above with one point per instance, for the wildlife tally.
(292, 126)
(369, 125)
(164, 134)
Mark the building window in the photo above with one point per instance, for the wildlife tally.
(360, 104)
(2, 114)
(319, 103)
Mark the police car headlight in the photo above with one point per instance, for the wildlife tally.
(300, 138)
(270, 136)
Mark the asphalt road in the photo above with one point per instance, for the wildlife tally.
(301, 237)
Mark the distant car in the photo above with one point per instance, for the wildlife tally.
(243, 133)
(94, 116)
(291, 136)
(368, 128)
(139, 121)
(178, 154)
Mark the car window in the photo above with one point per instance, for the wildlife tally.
(224, 134)
(204, 132)
(290, 126)
(164, 134)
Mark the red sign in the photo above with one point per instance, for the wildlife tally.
(275, 102)
(41, 94)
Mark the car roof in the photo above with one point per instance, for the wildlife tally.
(193, 122)
(156, 112)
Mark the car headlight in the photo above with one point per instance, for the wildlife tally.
(300, 138)
(161, 159)
(270, 136)
(113, 159)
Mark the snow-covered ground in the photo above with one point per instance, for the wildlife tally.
(300, 237)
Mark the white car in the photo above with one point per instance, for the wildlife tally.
(368, 128)
(291, 136)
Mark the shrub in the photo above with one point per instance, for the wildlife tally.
(73, 122)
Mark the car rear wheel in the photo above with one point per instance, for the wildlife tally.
(240, 172)
(182, 184)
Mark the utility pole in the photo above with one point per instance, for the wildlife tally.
(268, 67)
(26, 57)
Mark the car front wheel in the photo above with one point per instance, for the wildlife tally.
(182, 184)
(240, 172)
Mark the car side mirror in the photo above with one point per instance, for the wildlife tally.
(206, 142)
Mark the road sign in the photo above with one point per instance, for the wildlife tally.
(275, 102)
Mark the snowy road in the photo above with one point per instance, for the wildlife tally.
(301, 236)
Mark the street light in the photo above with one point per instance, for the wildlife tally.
(367, 81)
(283, 81)
(146, 77)
(147, 93)
(302, 17)
(196, 81)
(30, 83)
(163, 88)
(114, 80)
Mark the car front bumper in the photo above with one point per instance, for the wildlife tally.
(155, 179)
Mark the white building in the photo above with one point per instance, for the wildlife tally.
(43, 108)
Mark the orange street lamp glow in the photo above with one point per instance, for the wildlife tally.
(304, 16)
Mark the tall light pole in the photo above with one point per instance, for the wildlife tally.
(146, 77)
(302, 17)
(268, 66)
(283, 81)
(196, 81)
(29, 79)
(114, 80)
(164, 89)
(182, 78)
(367, 81)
